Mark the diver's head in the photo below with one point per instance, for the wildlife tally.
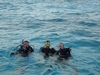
(47, 44)
(26, 43)
(60, 45)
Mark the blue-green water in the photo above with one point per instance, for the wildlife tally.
(76, 23)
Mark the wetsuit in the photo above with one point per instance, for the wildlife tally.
(25, 52)
(47, 51)
(64, 53)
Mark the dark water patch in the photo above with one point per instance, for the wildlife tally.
(83, 71)
(6, 67)
(30, 22)
(98, 58)
(78, 14)
(69, 0)
(53, 35)
(8, 6)
(94, 50)
(28, 2)
(82, 32)
(57, 13)
(12, 7)
(85, 43)
(93, 62)
(55, 20)
(72, 44)
(29, 8)
(38, 39)
(53, 6)
(73, 7)
(27, 18)
(33, 25)
(4, 28)
(2, 51)
(69, 44)
(48, 71)
(56, 73)
(31, 1)
(52, 30)
(9, 18)
(97, 69)
(89, 24)
(94, 43)
(91, 74)
(4, 5)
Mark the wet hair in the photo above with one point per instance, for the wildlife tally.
(47, 41)
(26, 41)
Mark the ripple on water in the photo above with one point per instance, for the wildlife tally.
(91, 74)
(55, 20)
(8, 6)
(89, 24)
(82, 32)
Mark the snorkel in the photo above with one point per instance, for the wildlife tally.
(22, 41)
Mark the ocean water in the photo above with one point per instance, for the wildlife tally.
(76, 23)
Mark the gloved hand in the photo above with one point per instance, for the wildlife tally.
(12, 54)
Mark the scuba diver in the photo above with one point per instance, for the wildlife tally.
(47, 50)
(24, 51)
(63, 53)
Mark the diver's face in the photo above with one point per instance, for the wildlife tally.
(47, 44)
(60, 46)
(26, 44)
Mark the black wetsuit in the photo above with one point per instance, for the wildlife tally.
(48, 51)
(25, 52)
(64, 53)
